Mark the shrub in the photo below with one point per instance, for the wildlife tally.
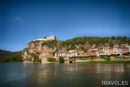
(61, 60)
(107, 58)
(115, 55)
(127, 53)
(51, 59)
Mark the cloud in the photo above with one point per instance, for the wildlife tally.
(19, 19)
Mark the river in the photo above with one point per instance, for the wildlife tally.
(61, 75)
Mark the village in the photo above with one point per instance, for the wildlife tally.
(44, 50)
(97, 54)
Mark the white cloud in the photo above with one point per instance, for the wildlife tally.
(19, 19)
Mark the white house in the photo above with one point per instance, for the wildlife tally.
(70, 53)
(117, 50)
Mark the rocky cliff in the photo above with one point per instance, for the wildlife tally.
(39, 51)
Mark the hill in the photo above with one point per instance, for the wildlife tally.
(8, 56)
(40, 50)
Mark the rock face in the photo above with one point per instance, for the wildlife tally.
(38, 51)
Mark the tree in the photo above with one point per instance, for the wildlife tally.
(61, 60)
(126, 54)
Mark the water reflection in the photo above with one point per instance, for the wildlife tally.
(109, 68)
(60, 75)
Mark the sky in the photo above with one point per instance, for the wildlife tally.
(24, 20)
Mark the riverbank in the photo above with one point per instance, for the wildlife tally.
(107, 62)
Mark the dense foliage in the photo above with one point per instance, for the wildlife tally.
(61, 60)
(7, 56)
(127, 54)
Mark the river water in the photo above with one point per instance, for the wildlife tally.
(61, 75)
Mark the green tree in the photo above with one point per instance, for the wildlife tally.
(61, 60)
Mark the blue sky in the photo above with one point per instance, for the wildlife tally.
(24, 20)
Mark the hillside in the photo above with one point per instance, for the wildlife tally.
(84, 43)
(40, 51)
(88, 42)
(8, 56)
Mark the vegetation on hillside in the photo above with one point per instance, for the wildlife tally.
(108, 62)
(85, 43)
(51, 59)
(96, 40)
(8, 56)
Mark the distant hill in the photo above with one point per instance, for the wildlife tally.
(8, 56)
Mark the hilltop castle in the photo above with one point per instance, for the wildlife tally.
(50, 38)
